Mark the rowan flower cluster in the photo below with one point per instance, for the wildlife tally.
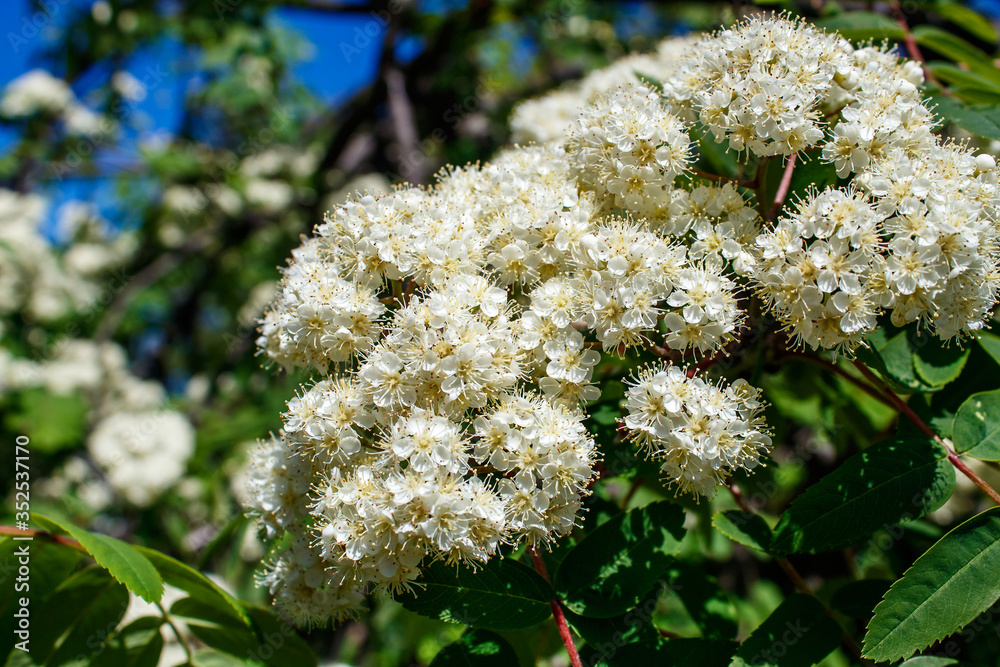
(816, 269)
(457, 330)
(41, 280)
(39, 94)
(700, 432)
(138, 447)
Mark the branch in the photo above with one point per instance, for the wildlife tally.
(404, 125)
(834, 368)
(153, 271)
(786, 182)
(911, 45)
(797, 580)
(43, 534)
(180, 639)
(924, 428)
(557, 612)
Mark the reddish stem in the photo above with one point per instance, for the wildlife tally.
(636, 483)
(557, 611)
(924, 428)
(32, 532)
(796, 578)
(911, 45)
(783, 187)
(834, 368)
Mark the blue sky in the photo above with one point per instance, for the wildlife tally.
(334, 71)
(342, 60)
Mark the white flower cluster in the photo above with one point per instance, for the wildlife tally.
(39, 93)
(628, 149)
(816, 269)
(717, 223)
(37, 278)
(140, 448)
(142, 453)
(941, 266)
(551, 117)
(880, 109)
(429, 450)
(457, 328)
(919, 238)
(701, 432)
(761, 85)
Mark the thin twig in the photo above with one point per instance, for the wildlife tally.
(557, 611)
(703, 364)
(632, 489)
(924, 428)
(404, 126)
(180, 639)
(42, 534)
(797, 580)
(149, 275)
(911, 45)
(660, 351)
(786, 182)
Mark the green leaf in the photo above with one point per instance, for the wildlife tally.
(936, 364)
(47, 524)
(929, 661)
(955, 48)
(862, 26)
(79, 618)
(55, 561)
(209, 658)
(946, 588)
(977, 95)
(52, 421)
(957, 76)
(991, 344)
(137, 645)
(215, 628)
(892, 356)
(972, 22)
(477, 648)
(681, 652)
(981, 119)
(707, 604)
(195, 584)
(281, 645)
(122, 560)
(976, 431)
(796, 634)
(890, 482)
(611, 569)
(747, 528)
(272, 642)
(501, 595)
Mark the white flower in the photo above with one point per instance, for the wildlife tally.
(699, 431)
(817, 269)
(143, 454)
(627, 145)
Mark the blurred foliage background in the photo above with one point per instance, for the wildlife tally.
(221, 130)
